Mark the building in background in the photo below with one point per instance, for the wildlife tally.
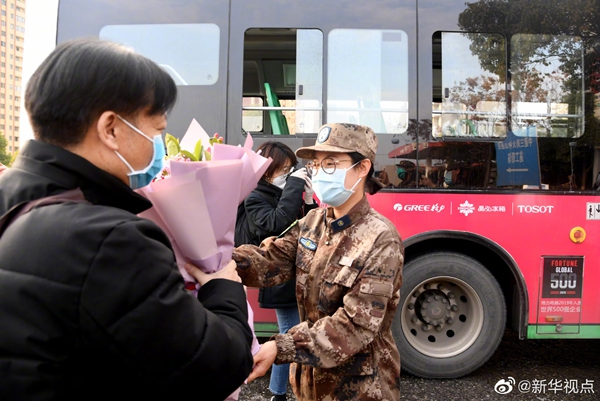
(12, 39)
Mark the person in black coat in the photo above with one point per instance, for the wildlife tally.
(281, 197)
(92, 304)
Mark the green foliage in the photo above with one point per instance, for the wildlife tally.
(5, 158)
(14, 157)
(189, 155)
(198, 150)
(199, 153)
(172, 145)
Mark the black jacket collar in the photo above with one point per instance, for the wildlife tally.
(42, 169)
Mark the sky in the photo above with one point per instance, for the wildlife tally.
(40, 40)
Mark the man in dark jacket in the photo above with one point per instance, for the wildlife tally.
(91, 302)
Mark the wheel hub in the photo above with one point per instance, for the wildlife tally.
(434, 307)
(442, 316)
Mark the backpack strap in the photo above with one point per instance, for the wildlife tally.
(72, 196)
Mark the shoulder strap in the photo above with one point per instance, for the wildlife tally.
(72, 196)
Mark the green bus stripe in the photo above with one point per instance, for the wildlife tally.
(265, 329)
(568, 331)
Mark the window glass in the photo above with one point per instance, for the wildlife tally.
(188, 52)
(547, 85)
(252, 120)
(368, 78)
(309, 80)
(469, 89)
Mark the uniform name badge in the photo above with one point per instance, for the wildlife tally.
(308, 244)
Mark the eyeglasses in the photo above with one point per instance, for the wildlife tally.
(286, 170)
(328, 165)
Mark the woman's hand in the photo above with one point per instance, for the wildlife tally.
(263, 360)
(229, 272)
(308, 191)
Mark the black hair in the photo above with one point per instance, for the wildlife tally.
(280, 153)
(372, 184)
(83, 78)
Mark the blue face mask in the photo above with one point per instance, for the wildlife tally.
(330, 187)
(141, 178)
(448, 177)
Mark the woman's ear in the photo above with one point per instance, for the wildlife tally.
(106, 126)
(365, 167)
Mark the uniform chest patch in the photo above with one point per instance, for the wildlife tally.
(308, 244)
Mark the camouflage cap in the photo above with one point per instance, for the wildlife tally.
(343, 138)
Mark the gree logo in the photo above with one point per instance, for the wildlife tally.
(435, 208)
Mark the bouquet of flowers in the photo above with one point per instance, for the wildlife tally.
(196, 196)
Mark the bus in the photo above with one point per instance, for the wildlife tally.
(488, 119)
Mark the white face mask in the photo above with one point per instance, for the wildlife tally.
(280, 181)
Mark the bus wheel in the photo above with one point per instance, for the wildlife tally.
(451, 316)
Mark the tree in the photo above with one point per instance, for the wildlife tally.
(5, 158)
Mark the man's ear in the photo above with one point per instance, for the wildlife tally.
(107, 131)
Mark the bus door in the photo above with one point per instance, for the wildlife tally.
(188, 39)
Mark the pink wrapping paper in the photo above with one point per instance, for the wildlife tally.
(197, 205)
(198, 210)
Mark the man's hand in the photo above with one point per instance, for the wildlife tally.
(229, 272)
(263, 360)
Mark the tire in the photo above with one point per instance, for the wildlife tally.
(450, 318)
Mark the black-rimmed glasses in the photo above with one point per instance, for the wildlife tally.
(328, 165)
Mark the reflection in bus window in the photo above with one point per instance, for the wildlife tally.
(284, 67)
(368, 78)
(469, 93)
(547, 84)
(188, 52)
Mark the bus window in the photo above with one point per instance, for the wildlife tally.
(547, 85)
(188, 52)
(367, 78)
(284, 67)
(469, 92)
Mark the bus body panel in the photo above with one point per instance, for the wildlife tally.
(526, 226)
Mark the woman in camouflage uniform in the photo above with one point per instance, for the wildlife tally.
(347, 260)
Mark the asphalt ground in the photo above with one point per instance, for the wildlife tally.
(540, 370)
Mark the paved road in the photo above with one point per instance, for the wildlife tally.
(573, 365)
